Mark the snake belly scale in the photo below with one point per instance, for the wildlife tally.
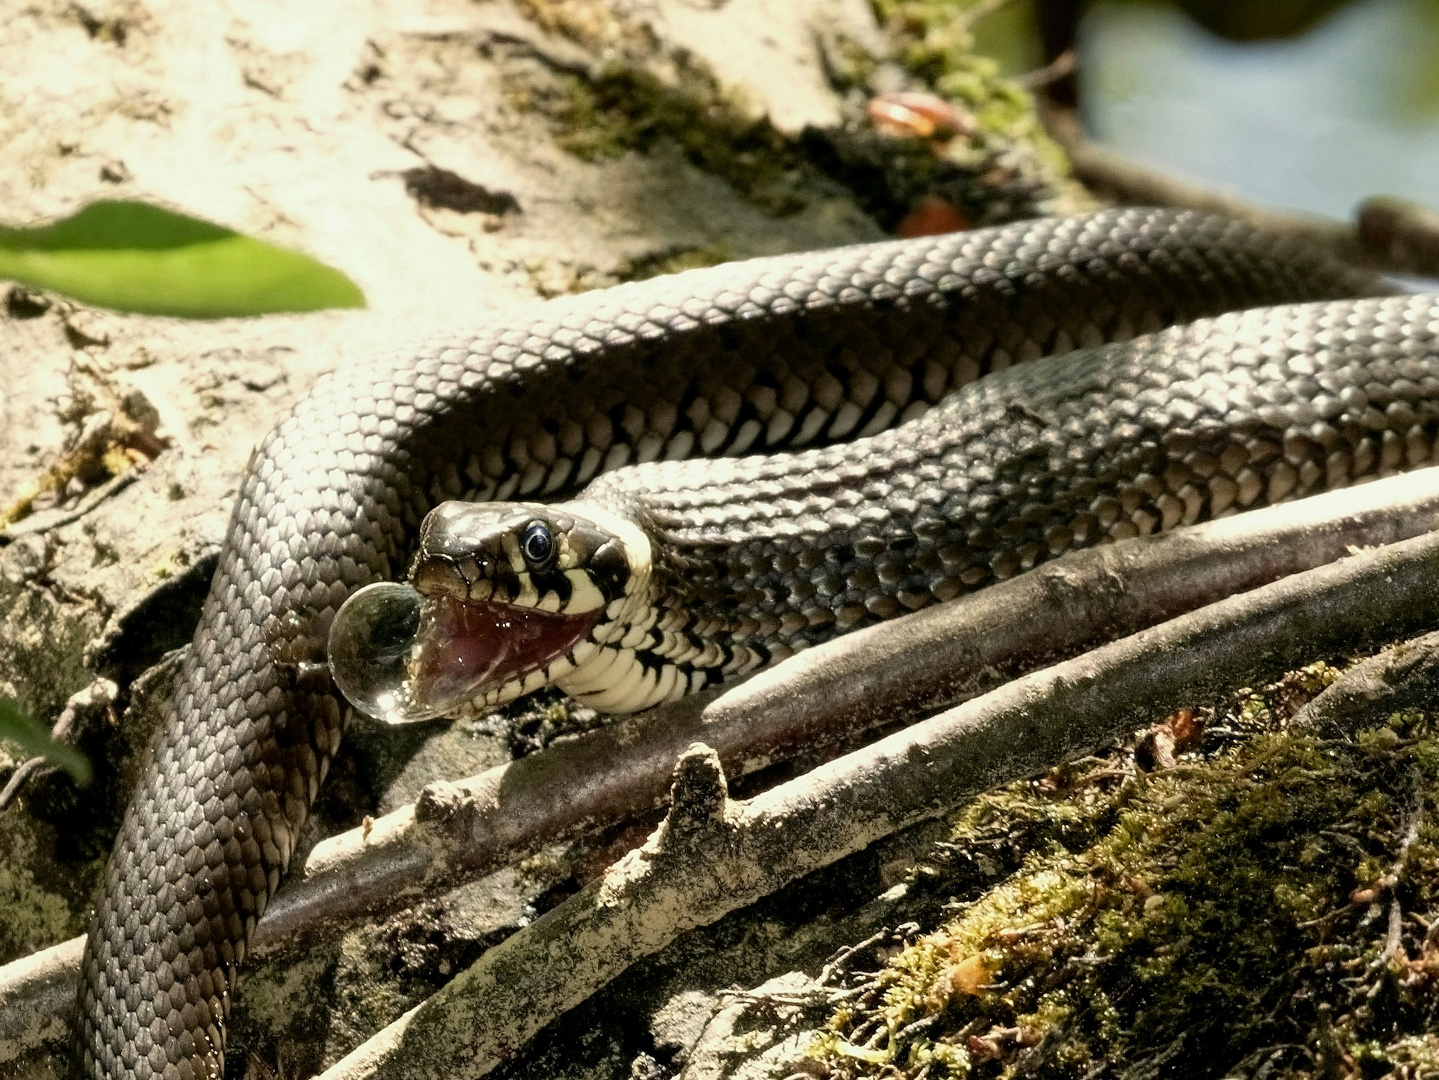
(802, 350)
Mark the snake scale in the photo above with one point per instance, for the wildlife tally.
(826, 350)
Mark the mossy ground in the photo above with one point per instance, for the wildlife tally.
(32, 915)
(627, 109)
(1267, 905)
(641, 96)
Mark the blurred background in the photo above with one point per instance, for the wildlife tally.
(1302, 104)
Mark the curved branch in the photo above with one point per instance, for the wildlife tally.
(1389, 234)
(1404, 676)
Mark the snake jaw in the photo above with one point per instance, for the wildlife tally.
(464, 649)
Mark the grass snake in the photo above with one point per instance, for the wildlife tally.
(909, 482)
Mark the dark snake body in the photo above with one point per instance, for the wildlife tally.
(746, 357)
(758, 557)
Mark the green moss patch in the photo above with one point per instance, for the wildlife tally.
(1269, 904)
(626, 109)
(935, 42)
(33, 914)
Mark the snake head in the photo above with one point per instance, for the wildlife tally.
(499, 596)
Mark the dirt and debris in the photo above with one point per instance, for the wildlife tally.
(111, 431)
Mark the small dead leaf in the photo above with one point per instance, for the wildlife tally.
(968, 978)
(931, 216)
(984, 1048)
(1186, 728)
(919, 115)
(1175, 733)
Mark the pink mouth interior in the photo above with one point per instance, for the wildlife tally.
(464, 648)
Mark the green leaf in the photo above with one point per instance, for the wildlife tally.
(131, 256)
(35, 740)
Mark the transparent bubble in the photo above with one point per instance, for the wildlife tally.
(372, 641)
(400, 656)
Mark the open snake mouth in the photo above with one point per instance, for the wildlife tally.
(401, 656)
(464, 646)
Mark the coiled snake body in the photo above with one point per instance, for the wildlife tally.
(804, 350)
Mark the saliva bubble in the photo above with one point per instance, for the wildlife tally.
(371, 644)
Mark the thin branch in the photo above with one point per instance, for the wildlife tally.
(38, 996)
(711, 856)
(26, 769)
(458, 831)
(45, 520)
(1391, 235)
(1061, 67)
(100, 693)
(1405, 676)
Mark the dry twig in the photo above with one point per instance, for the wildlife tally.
(1388, 234)
(1404, 676)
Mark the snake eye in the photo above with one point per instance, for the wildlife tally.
(538, 546)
